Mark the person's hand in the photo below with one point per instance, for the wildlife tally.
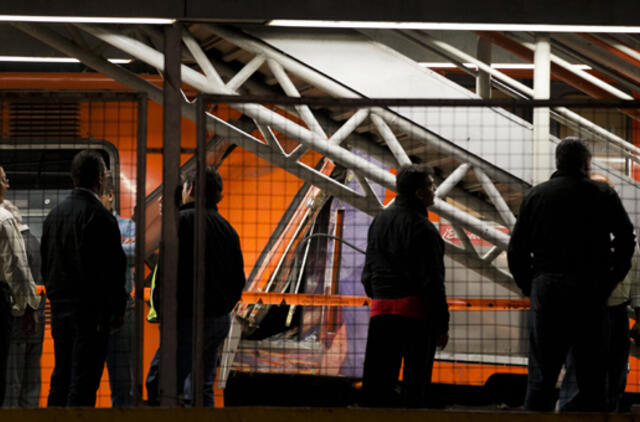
(442, 340)
(129, 241)
(29, 321)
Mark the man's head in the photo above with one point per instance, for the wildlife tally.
(416, 180)
(108, 193)
(213, 186)
(573, 156)
(4, 185)
(87, 171)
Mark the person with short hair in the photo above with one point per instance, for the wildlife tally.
(83, 267)
(25, 350)
(120, 346)
(626, 295)
(571, 245)
(404, 276)
(17, 290)
(224, 282)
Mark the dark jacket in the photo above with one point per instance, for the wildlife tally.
(83, 265)
(573, 228)
(224, 266)
(405, 257)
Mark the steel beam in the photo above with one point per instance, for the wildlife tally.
(602, 55)
(170, 178)
(452, 180)
(367, 203)
(483, 80)
(496, 198)
(140, 220)
(541, 115)
(199, 264)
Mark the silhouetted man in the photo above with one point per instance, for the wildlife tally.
(404, 275)
(224, 281)
(571, 245)
(83, 268)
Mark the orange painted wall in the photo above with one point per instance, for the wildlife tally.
(256, 194)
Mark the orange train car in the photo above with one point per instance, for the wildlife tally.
(267, 206)
(38, 140)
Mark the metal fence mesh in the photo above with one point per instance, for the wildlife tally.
(302, 181)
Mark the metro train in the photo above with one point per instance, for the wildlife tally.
(297, 242)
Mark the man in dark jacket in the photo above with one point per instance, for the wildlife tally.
(224, 281)
(404, 275)
(83, 268)
(571, 245)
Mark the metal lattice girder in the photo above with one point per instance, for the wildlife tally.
(365, 171)
(561, 114)
(305, 136)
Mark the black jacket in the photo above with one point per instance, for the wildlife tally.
(405, 257)
(575, 228)
(224, 267)
(83, 264)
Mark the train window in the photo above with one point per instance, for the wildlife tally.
(47, 169)
(39, 176)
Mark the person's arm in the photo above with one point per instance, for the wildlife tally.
(238, 277)
(519, 252)
(367, 271)
(634, 295)
(623, 243)
(128, 233)
(14, 269)
(429, 268)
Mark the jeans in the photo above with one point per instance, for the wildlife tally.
(559, 321)
(80, 348)
(390, 339)
(216, 329)
(120, 362)
(23, 375)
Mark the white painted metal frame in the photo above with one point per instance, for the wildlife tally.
(561, 114)
(309, 138)
(210, 82)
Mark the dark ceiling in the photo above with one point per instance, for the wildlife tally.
(587, 12)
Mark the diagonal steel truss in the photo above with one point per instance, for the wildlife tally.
(311, 135)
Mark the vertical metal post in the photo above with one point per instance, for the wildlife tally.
(483, 80)
(199, 246)
(169, 245)
(141, 182)
(541, 115)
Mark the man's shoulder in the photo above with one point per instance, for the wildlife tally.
(6, 220)
(5, 215)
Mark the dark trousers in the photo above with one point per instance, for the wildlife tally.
(80, 348)
(153, 380)
(216, 329)
(391, 339)
(561, 321)
(5, 336)
(120, 361)
(617, 364)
